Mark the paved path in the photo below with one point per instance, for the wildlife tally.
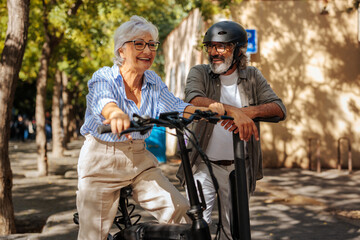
(289, 204)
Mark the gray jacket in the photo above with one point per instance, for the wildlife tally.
(201, 82)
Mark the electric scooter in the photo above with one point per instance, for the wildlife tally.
(240, 224)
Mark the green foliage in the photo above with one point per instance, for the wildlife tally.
(165, 14)
(210, 8)
(3, 23)
(31, 60)
(207, 8)
(87, 38)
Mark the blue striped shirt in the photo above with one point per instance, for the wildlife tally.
(106, 85)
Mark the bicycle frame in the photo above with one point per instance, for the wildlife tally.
(199, 229)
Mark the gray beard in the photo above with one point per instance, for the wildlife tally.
(221, 67)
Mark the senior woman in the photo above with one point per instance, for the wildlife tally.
(106, 162)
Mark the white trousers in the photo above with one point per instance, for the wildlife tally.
(222, 175)
(106, 167)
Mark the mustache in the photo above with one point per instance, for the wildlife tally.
(217, 57)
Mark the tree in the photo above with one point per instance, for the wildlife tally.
(10, 64)
(53, 37)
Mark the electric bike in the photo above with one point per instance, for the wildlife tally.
(199, 229)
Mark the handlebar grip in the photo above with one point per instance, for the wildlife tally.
(269, 119)
(103, 129)
(225, 117)
(213, 120)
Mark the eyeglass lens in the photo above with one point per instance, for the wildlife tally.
(220, 48)
(141, 44)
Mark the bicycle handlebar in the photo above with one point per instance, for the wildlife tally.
(170, 119)
(143, 124)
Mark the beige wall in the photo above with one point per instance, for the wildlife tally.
(180, 55)
(180, 52)
(312, 61)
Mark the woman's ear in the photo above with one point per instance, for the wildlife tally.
(121, 52)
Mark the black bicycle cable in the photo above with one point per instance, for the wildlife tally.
(195, 143)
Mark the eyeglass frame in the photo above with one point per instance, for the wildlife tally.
(206, 47)
(146, 43)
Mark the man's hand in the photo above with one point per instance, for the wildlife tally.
(241, 124)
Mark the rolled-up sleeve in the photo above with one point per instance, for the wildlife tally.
(195, 87)
(265, 93)
(168, 102)
(100, 93)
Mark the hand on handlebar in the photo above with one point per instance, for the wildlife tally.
(241, 124)
(218, 108)
(118, 122)
(143, 124)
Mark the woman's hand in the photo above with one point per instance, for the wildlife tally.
(218, 108)
(118, 120)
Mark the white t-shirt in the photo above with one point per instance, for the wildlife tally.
(221, 141)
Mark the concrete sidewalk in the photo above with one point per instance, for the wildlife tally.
(288, 203)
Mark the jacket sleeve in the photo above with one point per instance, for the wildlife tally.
(195, 83)
(265, 94)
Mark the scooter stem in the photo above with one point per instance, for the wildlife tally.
(241, 217)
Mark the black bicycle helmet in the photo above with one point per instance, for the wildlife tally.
(226, 31)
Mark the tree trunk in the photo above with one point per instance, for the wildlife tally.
(73, 115)
(51, 41)
(40, 109)
(65, 109)
(72, 124)
(10, 64)
(57, 149)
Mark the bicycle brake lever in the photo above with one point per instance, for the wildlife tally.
(145, 129)
(203, 202)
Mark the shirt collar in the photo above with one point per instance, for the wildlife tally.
(148, 75)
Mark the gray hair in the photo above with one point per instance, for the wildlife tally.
(128, 31)
(243, 58)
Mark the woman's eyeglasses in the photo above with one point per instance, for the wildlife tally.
(141, 44)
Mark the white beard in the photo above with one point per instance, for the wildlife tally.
(219, 68)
